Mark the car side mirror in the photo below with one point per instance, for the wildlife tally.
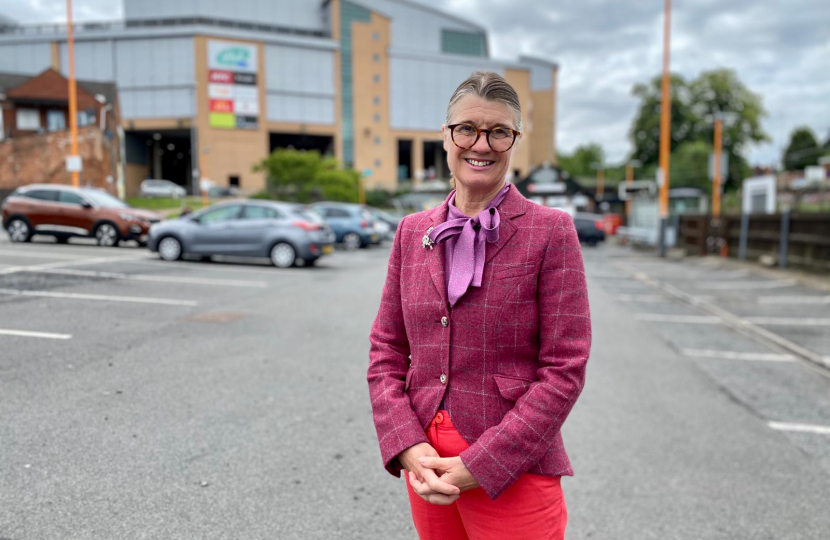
(86, 204)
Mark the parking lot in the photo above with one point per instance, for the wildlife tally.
(152, 399)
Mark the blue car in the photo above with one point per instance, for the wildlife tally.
(353, 225)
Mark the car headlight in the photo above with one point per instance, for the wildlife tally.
(128, 217)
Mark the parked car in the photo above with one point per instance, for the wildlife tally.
(283, 232)
(590, 228)
(64, 211)
(388, 222)
(162, 188)
(353, 224)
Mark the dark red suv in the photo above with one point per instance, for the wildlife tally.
(64, 212)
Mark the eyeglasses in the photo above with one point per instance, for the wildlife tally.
(500, 139)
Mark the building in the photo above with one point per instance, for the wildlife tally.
(208, 89)
(34, 130)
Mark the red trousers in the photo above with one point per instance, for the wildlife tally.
(533, 508)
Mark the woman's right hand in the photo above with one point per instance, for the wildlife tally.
(424, 480)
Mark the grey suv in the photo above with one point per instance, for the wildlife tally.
(283, 232)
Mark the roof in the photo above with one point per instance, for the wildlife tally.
(12, 81)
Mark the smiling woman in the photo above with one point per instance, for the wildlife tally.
(481, 341)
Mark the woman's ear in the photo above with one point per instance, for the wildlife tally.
(445, 133)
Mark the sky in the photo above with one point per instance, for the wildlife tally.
(779, 48)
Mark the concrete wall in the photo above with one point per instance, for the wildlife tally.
(25, 58)
(519, 79)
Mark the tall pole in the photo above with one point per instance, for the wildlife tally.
(717, 165)
(629, 178)
(665, 131)
(73, 96)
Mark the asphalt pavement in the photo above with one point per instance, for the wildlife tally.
(147, 399)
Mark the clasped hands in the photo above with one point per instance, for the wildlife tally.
(437, 480)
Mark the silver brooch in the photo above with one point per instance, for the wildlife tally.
(426, 241)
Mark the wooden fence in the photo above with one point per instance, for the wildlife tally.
(796, 240)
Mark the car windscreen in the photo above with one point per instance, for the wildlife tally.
(307, 214)
(104, 199)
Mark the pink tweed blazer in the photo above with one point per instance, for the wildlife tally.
(509, 359)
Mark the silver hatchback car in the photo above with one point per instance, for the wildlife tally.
(285, 233)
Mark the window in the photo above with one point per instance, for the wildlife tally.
(42, 195)
(223, 213)
(233, 181)
(376, 78)
(375, 36)
(375, 58)
(85, 119)
(377, 140)
(336, 213)
(260, 212)
(28, 119)
(55, 121)
(377, 118)
(376, 100)
(67, 197)
(466, 43)
(377, 163)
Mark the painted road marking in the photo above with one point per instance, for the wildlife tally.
(652, 298)
(734, 355)
(800, 428)
(151, 278)
(101, 297)
(25, 333)
(789, 321)
(683, 319)
(34, 254)
(794, 299)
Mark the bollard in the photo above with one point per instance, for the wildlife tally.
(785, 238)
(744, 237)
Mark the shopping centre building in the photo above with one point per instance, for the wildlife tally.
(207, 88)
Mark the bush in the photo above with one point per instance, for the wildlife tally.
(306, 176)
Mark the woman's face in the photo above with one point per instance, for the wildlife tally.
(479, 167)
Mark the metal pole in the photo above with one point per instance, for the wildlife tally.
(600, 184)
(716, 189)
(73, 96)
(665, 130)
(629, 178)
(744, 236)
(785, 238)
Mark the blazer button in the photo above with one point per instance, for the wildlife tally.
(445, 322)
(443, 379)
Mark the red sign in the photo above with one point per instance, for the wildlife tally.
(221, 105)
(218, 76)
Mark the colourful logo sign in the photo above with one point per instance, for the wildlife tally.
(218, 76)
(236, 57)
(221, 105)
(222, 120)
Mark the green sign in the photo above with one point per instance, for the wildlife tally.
(235, 57)
(222, 120)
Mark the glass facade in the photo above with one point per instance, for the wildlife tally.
(467, 43)
(349, 13)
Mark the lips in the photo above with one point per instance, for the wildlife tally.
(479, 163)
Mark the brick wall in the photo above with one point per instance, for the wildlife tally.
(41, 159)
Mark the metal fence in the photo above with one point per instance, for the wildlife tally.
(796, 240)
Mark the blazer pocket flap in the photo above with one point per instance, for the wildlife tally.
(515, 271)
(408, 379)
(512, 388)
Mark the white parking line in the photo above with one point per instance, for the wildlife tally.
(241, 268)
(35, 255)
(789, 321)
(748, 285)
(25, 333)
(644, 298)
(734, 355)
(65, 263)
(150, 278)
(101, 297)
(683, 319)
(800, 428)
(794, 300)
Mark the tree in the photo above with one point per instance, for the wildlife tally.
(305, 176)
(802, 151)
(695, 106)
(580, 162)
(689, 165)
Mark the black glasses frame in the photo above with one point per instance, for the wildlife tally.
(478, 135)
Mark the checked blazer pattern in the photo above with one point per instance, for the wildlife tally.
(509, 359)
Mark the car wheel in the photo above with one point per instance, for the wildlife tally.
(19, 230)
(351, 241)
(107, 235)
(62, 239)
(170, 249)
(283, 255)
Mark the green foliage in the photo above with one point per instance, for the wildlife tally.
(695, 105)
(581, 162)
(689, 165)
(305, 176)
(802, 151)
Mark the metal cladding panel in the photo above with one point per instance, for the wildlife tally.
(142, 63)
(291, 69)
(25, 58)
(157, 103)
(421, 89)
(93, 60)
(417, 28)
(306, 109)
(303, 14)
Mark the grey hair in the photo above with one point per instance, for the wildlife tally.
(491, 87)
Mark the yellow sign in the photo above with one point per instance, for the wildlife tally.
(222, 120)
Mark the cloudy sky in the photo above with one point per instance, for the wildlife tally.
(780, 49)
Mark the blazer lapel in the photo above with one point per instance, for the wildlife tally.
(510, 208)
(435, 256)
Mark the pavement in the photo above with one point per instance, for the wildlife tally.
(147, 399)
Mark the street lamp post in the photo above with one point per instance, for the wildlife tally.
(600, 189)
(629, 179)
(665, 130)
(73, 95)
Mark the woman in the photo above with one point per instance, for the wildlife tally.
(479, 348)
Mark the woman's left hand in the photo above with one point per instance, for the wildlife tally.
(451, 470)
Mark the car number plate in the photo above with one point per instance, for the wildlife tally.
(328, 250)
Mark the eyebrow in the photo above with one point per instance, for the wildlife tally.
(470, 122)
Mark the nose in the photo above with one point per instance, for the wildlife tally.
(481, 146)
